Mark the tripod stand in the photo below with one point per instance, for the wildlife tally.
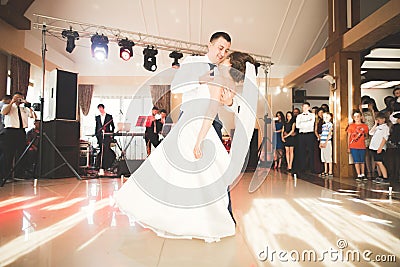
(263, 149)
(41, 133)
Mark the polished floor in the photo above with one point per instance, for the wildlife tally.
(296, 221)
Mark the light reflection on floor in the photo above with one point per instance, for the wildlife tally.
(65, 222)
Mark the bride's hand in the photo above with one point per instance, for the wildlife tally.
(227, 97)
(197, 151)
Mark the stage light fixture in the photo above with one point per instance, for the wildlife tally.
(71, 37)
(99, 47)
(150, 62)
(125, 51)
(176, 56)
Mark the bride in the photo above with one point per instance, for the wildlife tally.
(180, 191)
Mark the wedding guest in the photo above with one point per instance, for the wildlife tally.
(394, 139)
(356, 134)
(278, 153)
(318, 165)
(380, 134)
(305, 123)
(368, 117)
(325, 107)
(288, 138)
(326, 144)
(16, 115)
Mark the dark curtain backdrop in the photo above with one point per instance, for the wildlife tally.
(20, 72)
(161, 96)
(85, 93)
(3, 74)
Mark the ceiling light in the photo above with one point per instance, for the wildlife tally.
(71, 37)
(99, 47)
(176, 56)
(371, 84)
(150, 62)
(388, 84)
(125, 51)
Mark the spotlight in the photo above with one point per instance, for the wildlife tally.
(176, 56)
(125, 51)
(150, 62)
(71, 37)
(99, 47)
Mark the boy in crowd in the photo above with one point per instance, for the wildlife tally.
(356, 133)
(326, 144)
(380, 134)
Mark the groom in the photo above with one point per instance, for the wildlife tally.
(218, 49)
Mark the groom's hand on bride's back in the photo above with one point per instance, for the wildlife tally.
(206, 77)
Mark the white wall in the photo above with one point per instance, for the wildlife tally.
(281, 99)
(317, 87)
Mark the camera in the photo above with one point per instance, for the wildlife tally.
(364, 106)
(27, 104)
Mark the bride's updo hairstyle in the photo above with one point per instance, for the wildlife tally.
(238, 63)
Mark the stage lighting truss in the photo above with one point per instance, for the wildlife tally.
(150, 61)
(71, 37)
(99, 47)
(126, 49)
(176, 55)
(56, 25)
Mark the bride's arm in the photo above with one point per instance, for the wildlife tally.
(215, 95)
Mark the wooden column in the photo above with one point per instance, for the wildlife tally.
(343, 99)
(345, 67)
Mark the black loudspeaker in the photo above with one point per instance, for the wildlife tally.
(65, 136)
(127, 167)
(299, 96)
(67, 93)
(252, 155)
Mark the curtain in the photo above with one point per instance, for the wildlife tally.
(20, 72)
(161, 96)
(3, 74)
(85, 93)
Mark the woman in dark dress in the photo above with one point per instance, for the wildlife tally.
(288, 138)
(278, 155)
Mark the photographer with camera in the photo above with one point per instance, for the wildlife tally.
(15, 121)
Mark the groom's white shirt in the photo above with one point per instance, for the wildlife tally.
(186, 80)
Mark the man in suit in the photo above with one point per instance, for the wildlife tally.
(152, 130)
(104, 124)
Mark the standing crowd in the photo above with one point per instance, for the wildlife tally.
(303, 140)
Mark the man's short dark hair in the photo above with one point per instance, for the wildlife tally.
(155, 108)
(7, 97)
(163, 111)
(18, 93)
(307, 103)
(100, 105)
(217, 35)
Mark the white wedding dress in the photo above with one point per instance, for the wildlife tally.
(176, 195)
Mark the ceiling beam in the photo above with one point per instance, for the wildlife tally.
(308, 70)
(382, 23)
